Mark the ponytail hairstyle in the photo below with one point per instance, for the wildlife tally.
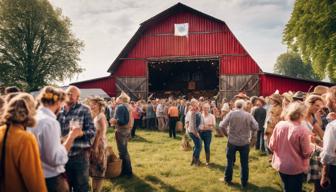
(50, 95)
(19, 111)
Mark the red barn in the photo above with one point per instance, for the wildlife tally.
(208, 60)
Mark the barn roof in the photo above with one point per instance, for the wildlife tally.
(152, 21)
(299, 79)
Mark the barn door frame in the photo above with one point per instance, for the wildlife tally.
(231, 85)
(132, 86)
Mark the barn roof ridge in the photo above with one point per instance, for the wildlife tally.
(156, 18)
(89, 80)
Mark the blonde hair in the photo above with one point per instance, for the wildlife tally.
(296, 110)
(98, 101)
(124, 97)
(50, 95)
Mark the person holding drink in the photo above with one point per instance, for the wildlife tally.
(54, 154)
(76, 115)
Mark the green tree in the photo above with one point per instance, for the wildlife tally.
(311, 31)
(36, 44)
(291, 64)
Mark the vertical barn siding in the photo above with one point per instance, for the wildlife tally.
(238, 65)
(132, 68)
(269, 84)
(107, 84)
(207, 38)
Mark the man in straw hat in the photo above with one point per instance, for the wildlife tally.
(273, 116)
(259, 114)
(123, 121)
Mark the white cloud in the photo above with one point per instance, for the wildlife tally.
(107, 25)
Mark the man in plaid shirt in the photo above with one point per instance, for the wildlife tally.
(77, 168)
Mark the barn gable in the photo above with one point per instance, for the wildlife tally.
(208, 37)
(210, 55)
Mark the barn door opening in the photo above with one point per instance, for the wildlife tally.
(190, 78)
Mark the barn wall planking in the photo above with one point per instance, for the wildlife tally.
(132, 68)
(230, 85)
(269, 83)
(107, 84)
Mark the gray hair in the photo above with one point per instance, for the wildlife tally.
(296, 110)
(239, 103)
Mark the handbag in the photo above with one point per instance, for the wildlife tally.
(179, 126)
(114, 164)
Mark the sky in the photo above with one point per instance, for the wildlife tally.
(106, 26)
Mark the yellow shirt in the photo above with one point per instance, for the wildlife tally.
(23, 169)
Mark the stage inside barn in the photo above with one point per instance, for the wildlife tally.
(189, 78)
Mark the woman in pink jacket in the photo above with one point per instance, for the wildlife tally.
(291, 147)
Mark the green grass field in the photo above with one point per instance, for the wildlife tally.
(159, 164)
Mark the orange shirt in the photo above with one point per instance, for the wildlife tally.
(173, 111)
(23, 169)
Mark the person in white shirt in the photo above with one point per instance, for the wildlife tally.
(209, 123)
(328, 157)
(160, 115)
(54, 154)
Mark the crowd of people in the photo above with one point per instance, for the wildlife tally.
(63, 140)
(55, 142)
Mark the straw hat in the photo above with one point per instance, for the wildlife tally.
(320, 90)
(299, 95)
(241, 95)
(124, 97)
(261, 98)
(253, 99)
(288, 96)
(276, 97)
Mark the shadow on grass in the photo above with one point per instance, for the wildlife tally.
(133, 184)
(163, 186)
(216, 166)
(138, 138)
(252, 187)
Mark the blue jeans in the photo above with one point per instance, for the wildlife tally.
(206, 137)
(260, 145)
(197, 146)
(122, 140)
(231, 156)
(292, 183)
(77, 170)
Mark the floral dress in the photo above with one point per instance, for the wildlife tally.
(98, 158)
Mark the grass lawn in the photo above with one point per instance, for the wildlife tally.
(159, 164)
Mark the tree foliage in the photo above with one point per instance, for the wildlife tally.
(36, 44)
(291, 64)
(311, 31)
